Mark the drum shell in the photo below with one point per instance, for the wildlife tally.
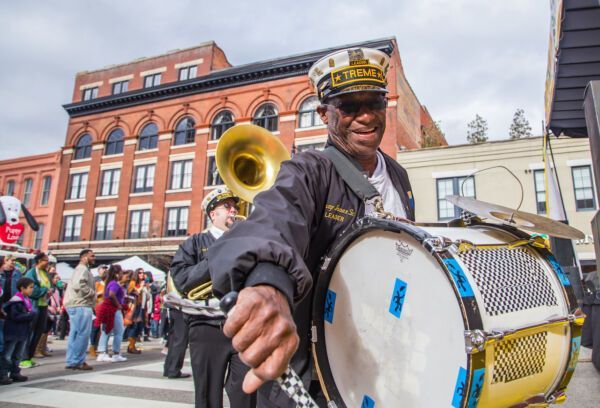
(463, 314)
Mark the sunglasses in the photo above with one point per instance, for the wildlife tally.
(351, 107)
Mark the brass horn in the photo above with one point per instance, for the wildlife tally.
(248, 159)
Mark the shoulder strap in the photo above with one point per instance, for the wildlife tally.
(355, 179)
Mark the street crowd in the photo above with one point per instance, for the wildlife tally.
(36, 305)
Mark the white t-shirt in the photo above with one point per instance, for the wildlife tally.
(383, 183)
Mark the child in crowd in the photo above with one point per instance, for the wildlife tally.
(19, 315)
(155, 315)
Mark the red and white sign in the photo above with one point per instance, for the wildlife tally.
(11, 233)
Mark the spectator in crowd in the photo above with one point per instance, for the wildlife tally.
(109, 315)
(100, 285)
(19, 314)
(9, 275)
(147, 300)
(55, 303)
(136, 322)
(80, 298)
(39, 297)
(155, 321)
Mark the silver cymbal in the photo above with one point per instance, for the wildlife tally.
(518, 219)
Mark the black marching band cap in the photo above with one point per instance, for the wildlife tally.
(216, 196)
(350, 70)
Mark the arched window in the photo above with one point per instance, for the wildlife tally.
(148, 137)
(266, 116)
(27, 191)
(83, 148)
(10, 187)
(308, 113)
(223, 121)
(185, 131)
(114, 143)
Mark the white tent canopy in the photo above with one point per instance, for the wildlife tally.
(136, 262)
(65, 271)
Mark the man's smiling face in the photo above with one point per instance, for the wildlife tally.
(356, 122)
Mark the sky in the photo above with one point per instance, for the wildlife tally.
(461, 57)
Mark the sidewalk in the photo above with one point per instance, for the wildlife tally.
(55, 365)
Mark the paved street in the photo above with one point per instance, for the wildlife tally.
(139, 383)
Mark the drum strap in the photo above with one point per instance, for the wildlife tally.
(355, 179)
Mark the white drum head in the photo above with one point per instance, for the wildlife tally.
(394, 332)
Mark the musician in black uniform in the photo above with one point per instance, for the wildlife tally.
(273, 257)
(211, 352)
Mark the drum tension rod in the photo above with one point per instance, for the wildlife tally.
(477, 340)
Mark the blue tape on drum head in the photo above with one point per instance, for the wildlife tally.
(367, 402)
(462, 284)
(459, 389)
(329, 306)
(575, 346)
(398, 296)
(564, 279)
(476, 387)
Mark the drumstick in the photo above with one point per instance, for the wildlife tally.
(289, 381)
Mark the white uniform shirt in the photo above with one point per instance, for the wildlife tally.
(383, 183)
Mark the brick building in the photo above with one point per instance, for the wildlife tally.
(33, 180)
(139, 152)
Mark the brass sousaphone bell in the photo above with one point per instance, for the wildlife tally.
(248, 159)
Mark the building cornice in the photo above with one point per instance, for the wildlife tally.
(263, 71)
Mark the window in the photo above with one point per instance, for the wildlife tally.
(453, 186)
(188, 73)
(78, 186)
(46, 186)
(139, 221)
(114, 142)
(27, 191)
(152, 80)
(222, 122)
(83, 148)
(104, 226)
(110, 182)
(266, 116)
(184, 131)
(10, 188)
(584, 191)
(90, 93)
(39, 237)
(144, 178)
(540, 191)
(71, 228)
(177, 220)
(181, 174)
(310, 146)
(308, 113)
(214, 179)
(120, 87)
(148, 137)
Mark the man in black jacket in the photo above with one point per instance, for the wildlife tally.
(211, 352)
(271, 258)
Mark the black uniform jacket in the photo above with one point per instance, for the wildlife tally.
(189, 267)
(290, 230)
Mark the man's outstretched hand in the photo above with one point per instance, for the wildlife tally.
(263, 332)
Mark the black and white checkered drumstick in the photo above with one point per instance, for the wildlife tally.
(289, 381)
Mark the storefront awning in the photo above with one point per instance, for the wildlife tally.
(573, 61)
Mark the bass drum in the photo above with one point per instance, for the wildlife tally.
(443, 317)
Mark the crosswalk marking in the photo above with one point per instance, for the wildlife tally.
(55, 398)
(70, 389)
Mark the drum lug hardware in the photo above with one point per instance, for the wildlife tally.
(313, 334)
(577, 318)
(437, 244)
(325, 264)
(332, 404)
(475, 341)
